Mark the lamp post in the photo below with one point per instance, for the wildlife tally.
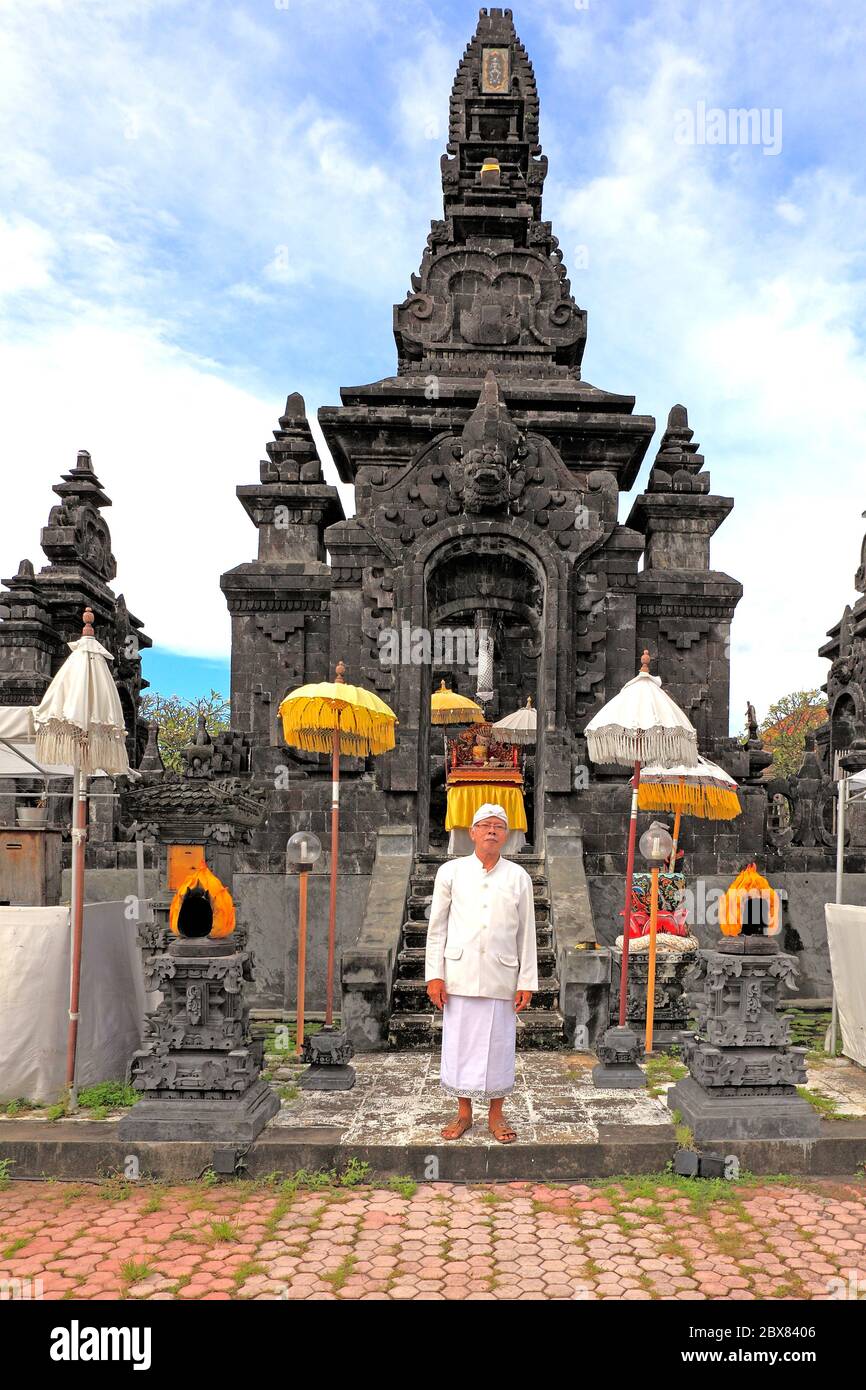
(655, 846)
(302, 851)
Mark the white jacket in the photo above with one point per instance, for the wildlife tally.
(481, 933)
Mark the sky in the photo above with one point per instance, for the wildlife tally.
(206, 206)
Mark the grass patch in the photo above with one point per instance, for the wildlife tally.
(116, 1188)
(288, 1092)
(15, 1247)
(56, 1112)
(132, 1273)
(407, 1187)
(338, 1277)
(224, 1231)
(246, 1271)
(106, 1096)
(282, 1040)
(823, 1104)
(21, 1106)
(5, 1175)
(684, 1137)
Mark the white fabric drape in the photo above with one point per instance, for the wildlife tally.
(34, 999)
(846, 938)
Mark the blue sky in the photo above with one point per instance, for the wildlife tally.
(205, 206)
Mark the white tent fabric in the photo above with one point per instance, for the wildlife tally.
(16, 722)
(857, 781)
(80, 719)
(34, 999)
(846, 938)
(642, 723)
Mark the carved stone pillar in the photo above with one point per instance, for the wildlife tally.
(743, 1072)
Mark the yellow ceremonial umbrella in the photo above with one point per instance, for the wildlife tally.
(447, 707)
(334, 717)
(705, 790)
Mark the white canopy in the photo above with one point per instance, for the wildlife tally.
(520, 726)
(703, 773)
(642, 723)
(80, 720)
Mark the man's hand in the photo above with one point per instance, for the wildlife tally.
(522, 1000)
(436, 992)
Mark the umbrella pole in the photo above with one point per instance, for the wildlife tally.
(672, 865)
(79, 839)
(335, 841)
(629, 874)
(651, 972)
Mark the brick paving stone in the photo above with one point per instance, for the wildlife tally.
(797, 1238)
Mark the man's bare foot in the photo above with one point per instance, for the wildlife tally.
(501, 1130)
(457, 1127)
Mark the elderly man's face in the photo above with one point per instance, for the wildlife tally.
(489, 834)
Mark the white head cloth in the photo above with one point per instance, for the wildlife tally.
(489, 809)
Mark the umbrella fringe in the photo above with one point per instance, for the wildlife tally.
(101, 747)
(666, 746)
(705, 802)
(378, 739)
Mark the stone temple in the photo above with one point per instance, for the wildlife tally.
(486, 472)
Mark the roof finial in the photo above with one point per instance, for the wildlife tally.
(645, 662)
(340, 673)
(87, 630)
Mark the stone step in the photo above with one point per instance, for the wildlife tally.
(419, 908)
(410, 963)
(527, 861)
(410, 997)
(423, 879)
(415, 933)
(539, 1031)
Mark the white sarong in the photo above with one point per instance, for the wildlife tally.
(478, 1042)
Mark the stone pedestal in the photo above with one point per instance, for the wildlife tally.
(617, 1067)
(198, 1068)
(671, 1012)
(743, 1072)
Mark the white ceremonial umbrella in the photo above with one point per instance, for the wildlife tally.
(640, 724)
(519, 727)
(80, 722)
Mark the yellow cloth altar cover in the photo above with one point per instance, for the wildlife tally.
(465, 800)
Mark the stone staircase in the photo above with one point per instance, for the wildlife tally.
(414, 1023)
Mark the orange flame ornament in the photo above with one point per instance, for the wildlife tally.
(749, 886)
(202, 906)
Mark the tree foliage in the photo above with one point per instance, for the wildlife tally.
(783, 731)
(178, 719)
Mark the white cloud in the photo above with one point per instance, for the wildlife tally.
(26, 253)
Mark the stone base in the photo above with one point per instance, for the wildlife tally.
(618, 1076)
(327, 1078)
(235, 1120)
(743, 1116)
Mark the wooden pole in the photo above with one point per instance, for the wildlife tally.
(673, 859)
(629, 875)
(302, 957)
(335, 847)
(79, 840)
(651, 973)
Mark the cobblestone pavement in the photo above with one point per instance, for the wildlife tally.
(517, 1241)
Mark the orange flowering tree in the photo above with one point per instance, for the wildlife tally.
(783, 731)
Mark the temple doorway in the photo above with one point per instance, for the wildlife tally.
(484, 601)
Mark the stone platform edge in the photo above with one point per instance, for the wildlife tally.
(93, 1152)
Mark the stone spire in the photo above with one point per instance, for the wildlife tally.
(492, 283)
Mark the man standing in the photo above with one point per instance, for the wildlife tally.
(481, 970)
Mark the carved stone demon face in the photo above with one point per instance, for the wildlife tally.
(485, 479)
